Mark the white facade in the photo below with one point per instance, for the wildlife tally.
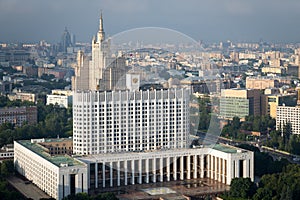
(89, 72)
(120, 121)
(113, 170)
(61, 100)
(56, 176)
(287, 114)
(7, 152)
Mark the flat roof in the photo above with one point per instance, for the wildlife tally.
(226, 148)
(58, 160)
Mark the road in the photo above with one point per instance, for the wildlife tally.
(212, 139)
(28, 190)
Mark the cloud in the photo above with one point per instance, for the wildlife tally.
(240, 7)
(125, 6)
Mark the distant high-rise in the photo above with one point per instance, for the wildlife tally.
(101, 71)
(65, 41)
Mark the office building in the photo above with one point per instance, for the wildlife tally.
(221, 163)
(239, 103)
(58, 175)
(128, 121)
(134, 135)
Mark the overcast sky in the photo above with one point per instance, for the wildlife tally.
(207, 20)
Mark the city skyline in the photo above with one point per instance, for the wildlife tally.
(235, 20)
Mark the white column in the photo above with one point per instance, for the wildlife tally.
(103, 174)
(237, 168)
(147, 170)
(154, 170)
(212, 166)
(220, 169)
(181, 168)
(175, 168)
(208, 166)
(111, 173)
(246, 168)
(251, 171)
(96, 174)
(132, 170)
(224, 171)
(140, 171)
(188, 167)
(125, 173)
(119, 173)
(195, 166)
(202, 166)
(168, 169)
(216, 167)
(161, 169)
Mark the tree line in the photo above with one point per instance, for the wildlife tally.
(53, 121)
(277, 186)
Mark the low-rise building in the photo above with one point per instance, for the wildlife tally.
(19, 115)
(61, 100)
(23, 96)
(60, 175)
(7, 152)
(261, 83)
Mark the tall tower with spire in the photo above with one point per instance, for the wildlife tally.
(100, 71)
(101, 34)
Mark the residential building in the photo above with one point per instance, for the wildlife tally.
(261, 83)
(270, 102)
(18, 115)
(288, 114)
(101, 71)
(7, 152)
(23, 96)
(60, 100)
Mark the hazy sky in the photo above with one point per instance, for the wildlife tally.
(207, 20)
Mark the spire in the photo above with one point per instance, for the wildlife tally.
(101, 34)
(101, 23)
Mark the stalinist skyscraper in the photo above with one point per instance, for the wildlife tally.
(100, 71)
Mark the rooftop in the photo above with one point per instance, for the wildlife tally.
(58, 160)
(226, 148)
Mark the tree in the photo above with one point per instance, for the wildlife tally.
(78, 196)
(242, 188)
(7, 168)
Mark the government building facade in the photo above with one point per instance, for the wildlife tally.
(124, 136)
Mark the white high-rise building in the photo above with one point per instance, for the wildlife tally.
(127, 136)
(288, 114)
(101, 71)
(119, 121)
